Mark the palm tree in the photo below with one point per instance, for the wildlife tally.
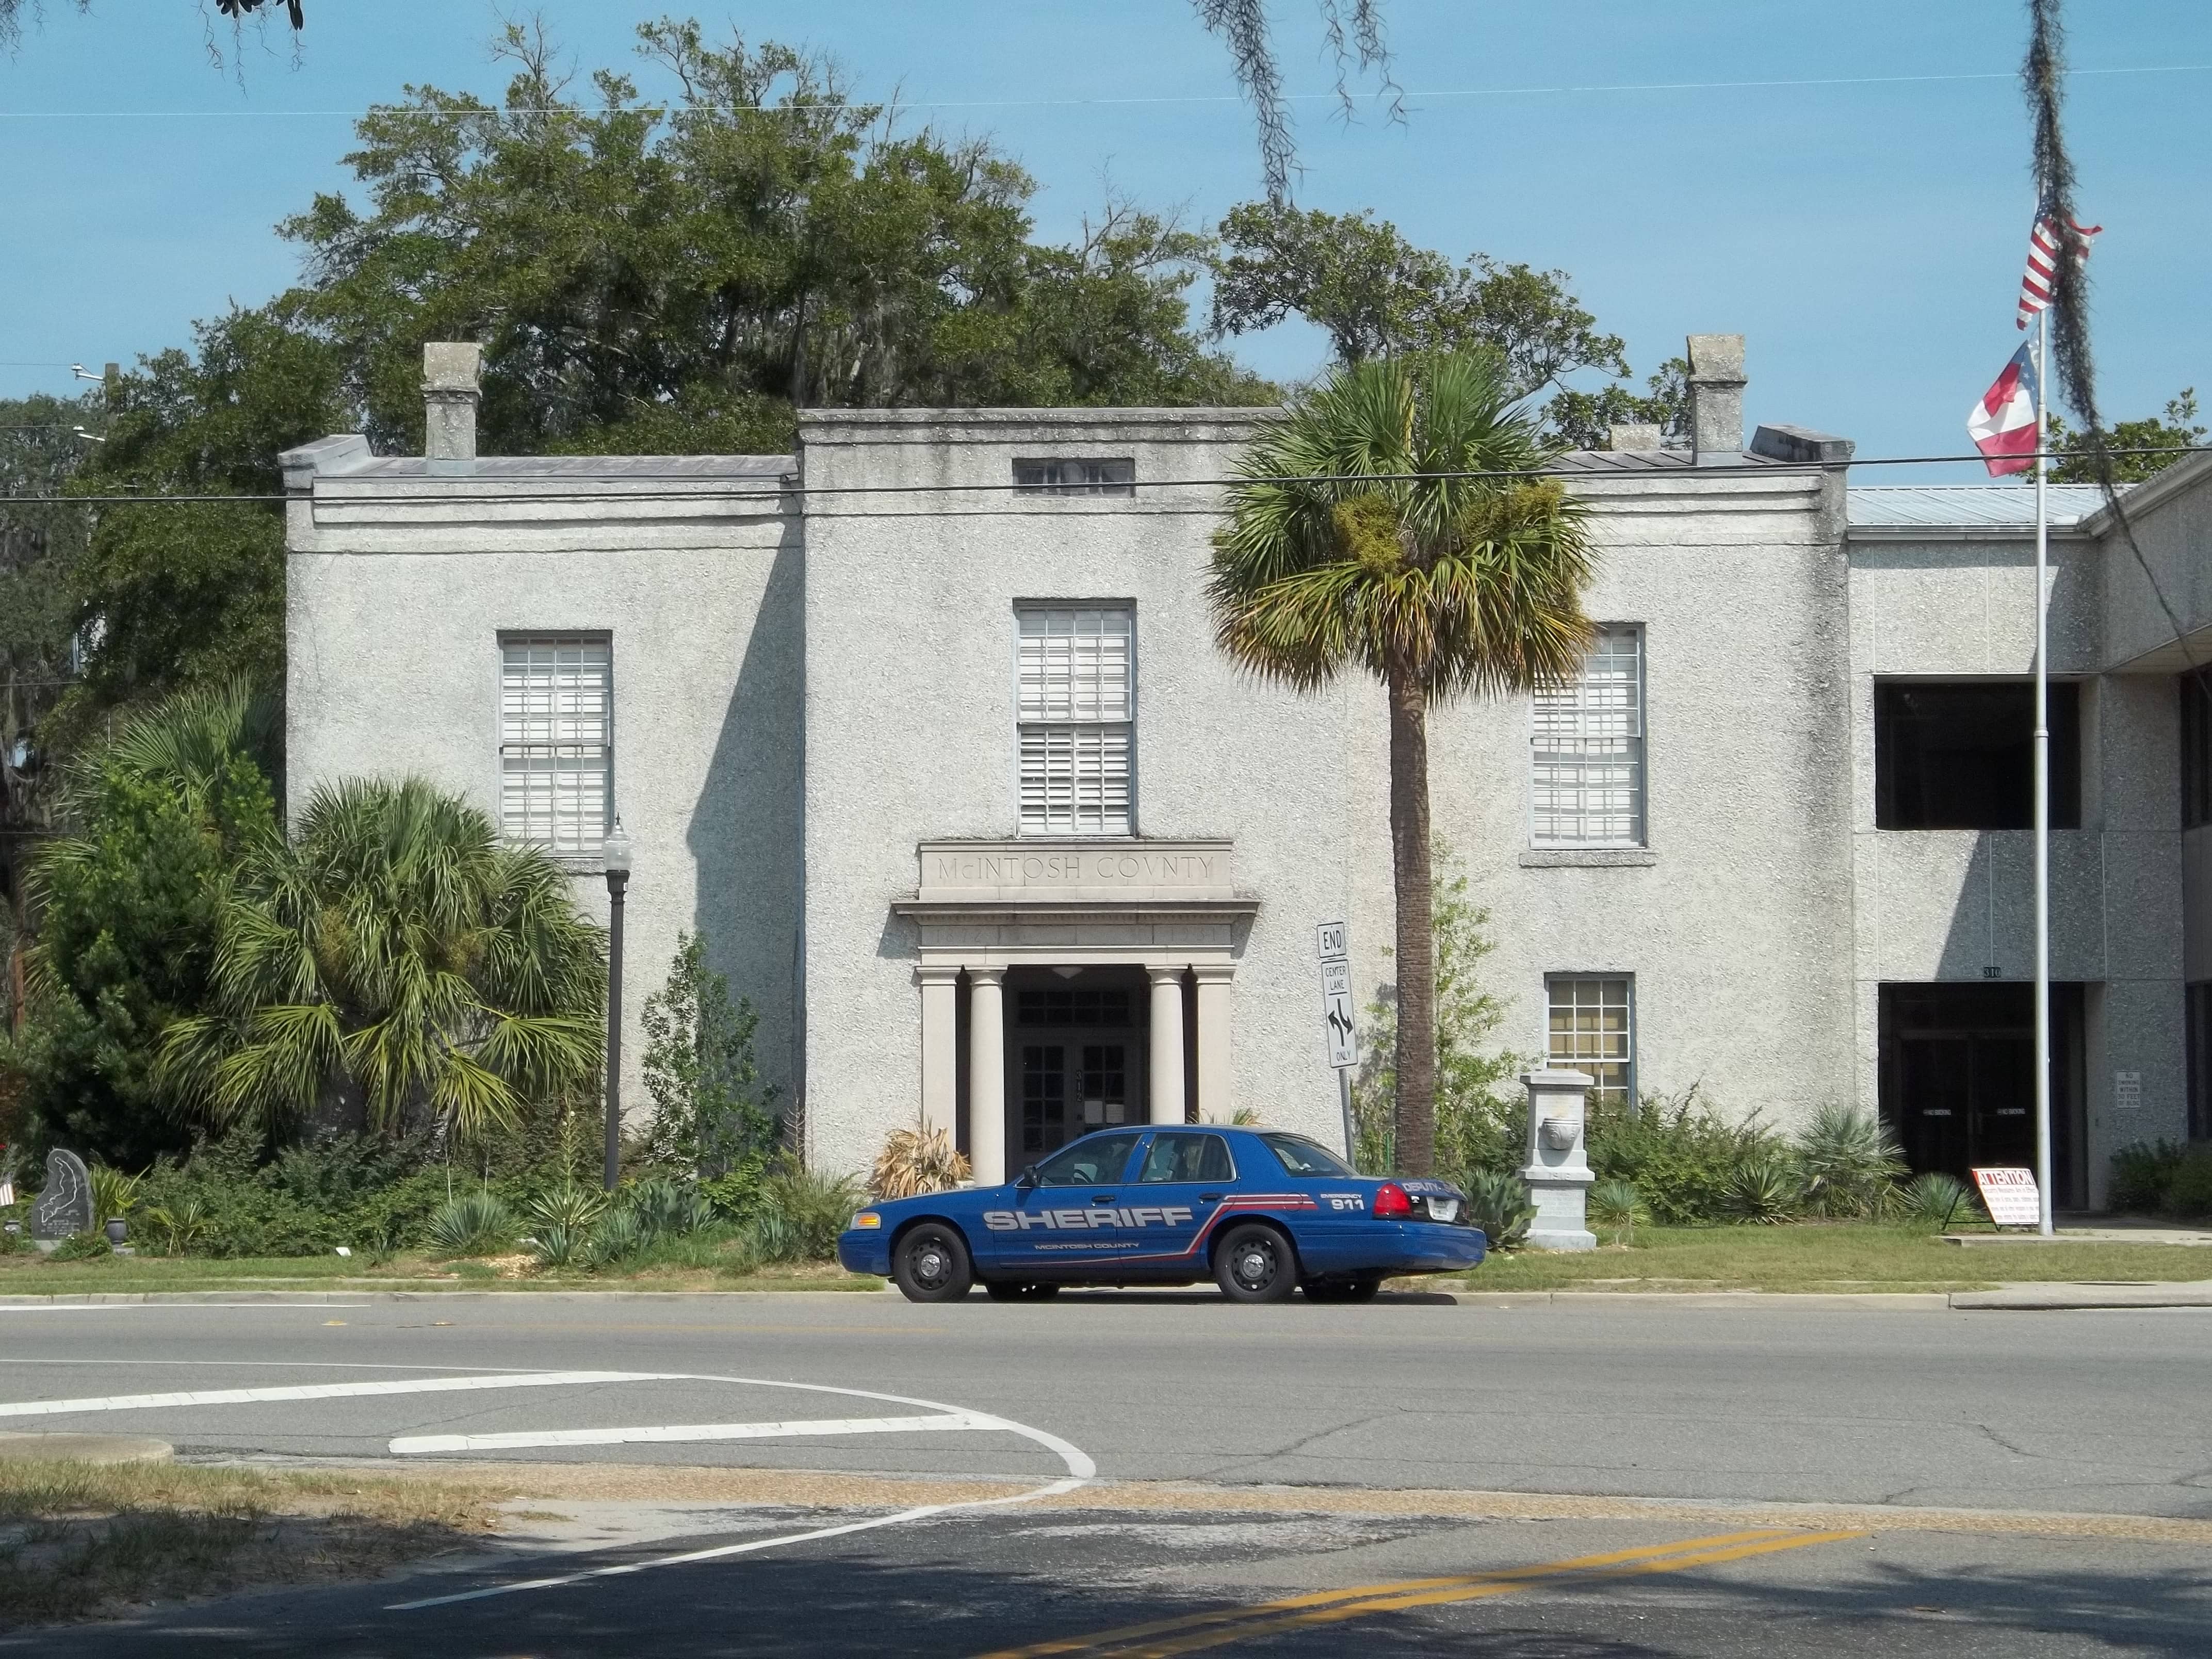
(392, 959)
(1388, 521)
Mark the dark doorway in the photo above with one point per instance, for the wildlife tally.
(1076, 1055)
(1958, 1079)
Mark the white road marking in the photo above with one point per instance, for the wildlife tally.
(1081, 1471)
(158, 1307)
(135, 1402)
(679, 1433)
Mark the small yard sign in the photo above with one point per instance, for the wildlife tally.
(2011, 1197)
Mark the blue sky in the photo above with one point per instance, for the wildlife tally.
(1866, 235)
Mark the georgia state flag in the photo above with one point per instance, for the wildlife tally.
(2002, 424)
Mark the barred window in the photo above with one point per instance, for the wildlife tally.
(1102, 477)
(1077, 717)
(1589, 749)
(1593, 1030)
(556, 741)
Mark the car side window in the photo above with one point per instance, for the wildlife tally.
(1187, 1157)
(1093, 1161)
(1301, 1157)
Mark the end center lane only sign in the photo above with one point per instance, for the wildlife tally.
(1337, 1015)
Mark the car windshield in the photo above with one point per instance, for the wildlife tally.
(1302, 1156)
(1093, 1161)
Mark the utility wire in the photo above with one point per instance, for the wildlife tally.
(811, 105)
(687, 488)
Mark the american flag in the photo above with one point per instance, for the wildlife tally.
(2043, 263)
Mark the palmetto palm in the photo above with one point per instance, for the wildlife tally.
(1357, 539)
(393, 958)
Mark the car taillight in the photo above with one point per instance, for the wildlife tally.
(1390, 1201)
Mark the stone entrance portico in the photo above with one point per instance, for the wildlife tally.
(982, 907)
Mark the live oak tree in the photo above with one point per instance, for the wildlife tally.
(2137, 449)
(1375, 294)
(687, 273)
(1356, 540)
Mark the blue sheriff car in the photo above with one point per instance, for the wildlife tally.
(1260, 1212)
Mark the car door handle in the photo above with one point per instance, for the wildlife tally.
(1101, 1198)
(1209, 1198)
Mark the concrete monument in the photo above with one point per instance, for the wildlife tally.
(64, 1204)
(1559, 1172)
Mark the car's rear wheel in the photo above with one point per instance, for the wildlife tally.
(1004, 1290)
(1255, 1263)
(1361, 1287)
(932, 1265)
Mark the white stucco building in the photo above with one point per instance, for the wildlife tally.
(925, 729)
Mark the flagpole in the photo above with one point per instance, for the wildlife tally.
(2042, 779)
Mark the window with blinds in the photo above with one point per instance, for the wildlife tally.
(1076, 713)
(556, 741)
(1593, 1031)
(1589, 749)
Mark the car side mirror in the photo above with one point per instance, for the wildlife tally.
(1027, 1179)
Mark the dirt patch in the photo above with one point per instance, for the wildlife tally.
(79, 1540)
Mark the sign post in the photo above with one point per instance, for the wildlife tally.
(1339, 1020)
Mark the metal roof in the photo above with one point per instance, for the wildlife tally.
(1648, 460)
(1955, 505)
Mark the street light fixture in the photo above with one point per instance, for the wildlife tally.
(615, 860)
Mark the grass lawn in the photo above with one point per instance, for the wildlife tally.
(673, 1269)
(1813, 1257)
(76, 1539)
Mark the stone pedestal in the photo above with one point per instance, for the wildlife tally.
(1557, 1171)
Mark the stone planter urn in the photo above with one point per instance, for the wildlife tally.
(117, 1229)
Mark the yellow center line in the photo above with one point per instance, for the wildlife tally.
(1197, 1632)
(1102, 1639)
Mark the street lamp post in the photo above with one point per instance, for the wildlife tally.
(615, 861)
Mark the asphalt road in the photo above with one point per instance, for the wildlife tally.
(2102, 1413)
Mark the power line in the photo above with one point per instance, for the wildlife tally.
(1563, 90)
(689, 490)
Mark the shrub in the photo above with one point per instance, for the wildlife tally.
(81, 1247)
(2189, 1187)
(1935, 1199)
(2140, 1173)
(917, 1161)
(1616, 1207)
(711, 1113)
(475, 1224)
(1850, 1164)
(1765, 1189)
(559, 1245)
(568, 1206)
(113, 1192)
(177, 1229)
(664, 1209)
(1498, 1204)
(1681, 1156)
(801, 1213)
(616, 1238)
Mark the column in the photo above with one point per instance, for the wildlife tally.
(941, 1070)
(986, 1074)
(1217, 1075)
(1167, 1044)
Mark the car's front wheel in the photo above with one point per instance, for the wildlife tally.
(932, 1265)
(1004, 1289)
(1254, 1264)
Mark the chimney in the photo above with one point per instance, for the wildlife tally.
(1716, 399)
(449, 399)
(1634, 435)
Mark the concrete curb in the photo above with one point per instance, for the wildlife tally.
(2014, 1297)
(2043, 1298)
